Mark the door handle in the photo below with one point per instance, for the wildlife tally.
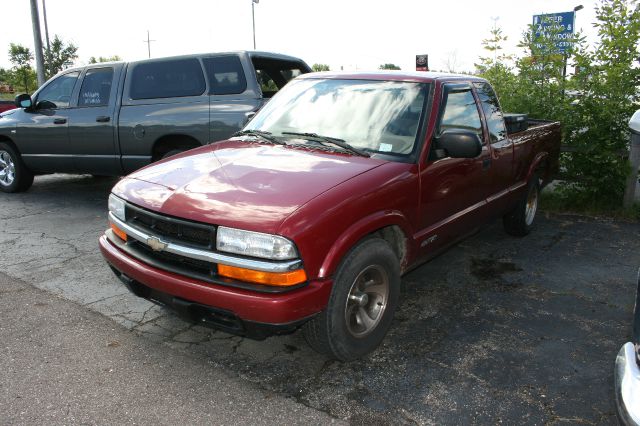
(59, 121)
(103, 119)
(486, 163)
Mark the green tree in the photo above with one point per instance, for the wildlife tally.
(608, 83)
(21, 58)
(114, 58)
(60, 56)
(497, 70)
(388, 67)
(320, 67)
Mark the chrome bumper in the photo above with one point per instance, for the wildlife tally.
(627, 386)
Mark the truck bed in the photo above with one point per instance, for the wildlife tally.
(541, 136)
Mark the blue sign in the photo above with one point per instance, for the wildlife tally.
(558, 26)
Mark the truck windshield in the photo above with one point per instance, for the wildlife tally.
(374, 116)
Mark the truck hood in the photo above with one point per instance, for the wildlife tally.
(240, 184)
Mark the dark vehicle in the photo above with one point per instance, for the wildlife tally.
(627, 372)
(308, 217)
(113, 118)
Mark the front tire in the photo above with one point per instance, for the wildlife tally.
(521, 220)
(14, 175)
(362, 303)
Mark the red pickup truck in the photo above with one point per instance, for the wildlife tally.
(311, 214)
(6, 106)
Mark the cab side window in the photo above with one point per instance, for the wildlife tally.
(460, 112)
(492, 111)
(226, 75)
(96, 87)
(57, 94)
(167, 79)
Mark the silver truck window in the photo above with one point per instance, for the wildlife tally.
(273, 74)
(167, 79)
(57, 94)
(492, 112)
(96, 87)
(226, 75)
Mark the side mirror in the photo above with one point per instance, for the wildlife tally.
(248, 116)
(23, 101)
(459, 143)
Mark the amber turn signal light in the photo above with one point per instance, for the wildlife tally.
(267, 278)
(119, 232)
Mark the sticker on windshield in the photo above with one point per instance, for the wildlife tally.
(385, 147)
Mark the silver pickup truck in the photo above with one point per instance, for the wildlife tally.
(113, 118)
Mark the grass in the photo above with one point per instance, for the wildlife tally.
(554, 202)
(7, 96)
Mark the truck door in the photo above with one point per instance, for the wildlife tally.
(231, 99)
(453, 190)
(43, 136)
(501, 167)
(92, 122)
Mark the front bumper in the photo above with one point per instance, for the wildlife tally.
(627, 385)
(270, 309)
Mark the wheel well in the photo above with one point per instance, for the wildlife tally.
(170, 142)
(10, 142)
(394, 236)
(542, 170)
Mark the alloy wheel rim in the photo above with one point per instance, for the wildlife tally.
(367, 301)
(7, 169)
(532, 206)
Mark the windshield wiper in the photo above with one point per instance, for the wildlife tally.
(335, 141)
(267, 136)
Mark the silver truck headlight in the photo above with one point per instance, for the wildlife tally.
(255, 244)
(116, 206)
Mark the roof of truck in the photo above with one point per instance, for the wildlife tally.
(415, 76)
(251, 53)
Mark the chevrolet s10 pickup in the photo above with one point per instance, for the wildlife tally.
(309, 216)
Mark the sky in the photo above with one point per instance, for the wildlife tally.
(345, 34)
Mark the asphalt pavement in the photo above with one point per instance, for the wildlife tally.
(497, 329)
(65, 364)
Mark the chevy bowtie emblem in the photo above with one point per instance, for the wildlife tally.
(156, 244)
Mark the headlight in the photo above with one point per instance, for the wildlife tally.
(116, 206)
(255, 244)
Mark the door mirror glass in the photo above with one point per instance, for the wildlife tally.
(460, 143)
(23, 101)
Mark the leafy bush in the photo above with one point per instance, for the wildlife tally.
(605, 93)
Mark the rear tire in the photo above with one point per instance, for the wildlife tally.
(521, 220)
(362, 303)
(14, 175)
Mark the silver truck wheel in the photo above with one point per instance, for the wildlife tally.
(14, 175)
(367, 301)
(7, 169)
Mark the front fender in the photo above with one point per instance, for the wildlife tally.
(360, 229)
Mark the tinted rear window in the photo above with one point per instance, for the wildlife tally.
(167, 79)
(226, 76)
(96, 87)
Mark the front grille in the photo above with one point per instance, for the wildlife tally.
(177, 262)
(198, 235)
